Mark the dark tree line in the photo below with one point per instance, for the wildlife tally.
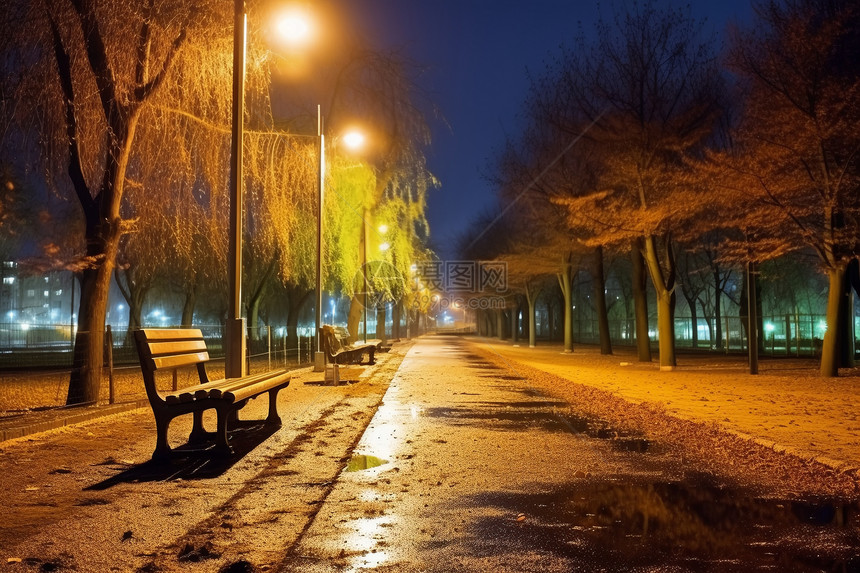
(648, 143)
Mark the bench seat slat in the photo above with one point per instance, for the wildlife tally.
(217, 388)
(239, 394)
(181, 395)
(231, 384)
(214, 388)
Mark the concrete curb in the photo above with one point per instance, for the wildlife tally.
(836, 465)
(70, 418)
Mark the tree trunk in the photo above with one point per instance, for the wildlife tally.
(380, 323)
(836, 303)
(86, 374)
(256, 299)
(103, 233)
(358, 302)
(101, 210)
(188, 305)
(515, 321)
(846, 319)
(752, 320)
(640, 304)
(718, 311)
(599, 286)
(134, 291)
(567, 296)
(531, 297)
(396, 317)
(664, 286)
(524, 320)
(298, 298)
(694, 320)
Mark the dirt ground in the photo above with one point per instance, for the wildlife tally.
(786, 430)
(787, 405)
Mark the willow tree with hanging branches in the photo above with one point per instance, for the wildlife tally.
(130, 103)
(82, 73)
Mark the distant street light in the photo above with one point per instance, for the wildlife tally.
(353, 140)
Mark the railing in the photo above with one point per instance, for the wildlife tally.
(52, 346)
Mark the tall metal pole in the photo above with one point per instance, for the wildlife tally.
(235, 352)
(319, 357)
(752, 316)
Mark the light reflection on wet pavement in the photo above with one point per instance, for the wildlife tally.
(484, 473)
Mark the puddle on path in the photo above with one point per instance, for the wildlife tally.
(692, 525)
(548, 415)
(363, 462)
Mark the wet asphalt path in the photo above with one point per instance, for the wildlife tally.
(480, 471)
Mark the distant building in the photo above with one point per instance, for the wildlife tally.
(49, 298)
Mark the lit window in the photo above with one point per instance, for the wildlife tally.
(58, 292)
(31, 292)
(47, 293)
(9, 264)
(8, 280)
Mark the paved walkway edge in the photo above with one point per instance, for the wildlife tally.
(836, 465)
(74, 416)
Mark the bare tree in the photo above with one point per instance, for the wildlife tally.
(794, 168)
(645, 93)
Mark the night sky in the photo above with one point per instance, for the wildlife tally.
(477, 54)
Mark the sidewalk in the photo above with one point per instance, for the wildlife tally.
(786, 407)
(87, 497)
(481, 463)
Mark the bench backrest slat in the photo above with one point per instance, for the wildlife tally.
(177, 347)
(172, 333)
(179, 360)
(169, 348)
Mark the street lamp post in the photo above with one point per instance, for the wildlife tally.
(234, 360)
(235, 336)
(319, 356)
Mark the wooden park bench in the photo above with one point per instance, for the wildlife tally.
(169, 349)
(338, 350)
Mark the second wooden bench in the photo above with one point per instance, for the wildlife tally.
(339, 351)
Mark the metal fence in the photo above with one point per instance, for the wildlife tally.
(52, 346)
(783, 335)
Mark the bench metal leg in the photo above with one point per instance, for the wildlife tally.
(273, 419)
(222, 447)
(372, 360)
(162, 448)
(198, 433)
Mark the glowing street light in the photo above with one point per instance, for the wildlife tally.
(294, 27)
(353, 139)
